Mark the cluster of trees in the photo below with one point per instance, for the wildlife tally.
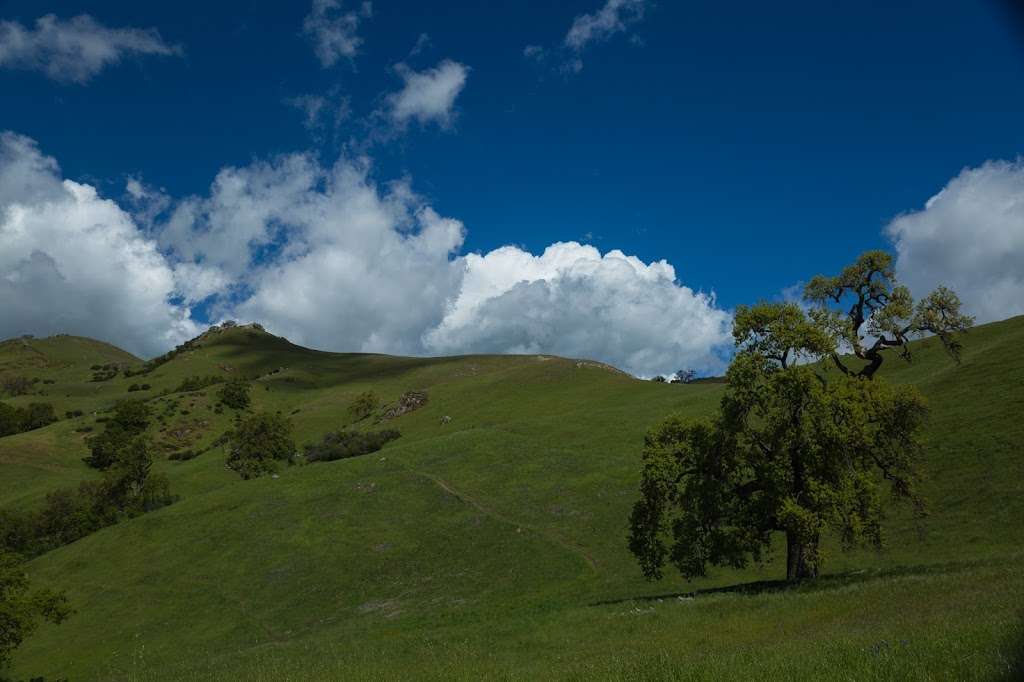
(683, 376)
(235, 394)
(128, 488)
(128, 423)
(347, 443)
(258, 443)
(795, 448)
(20, 419)
(198, 383)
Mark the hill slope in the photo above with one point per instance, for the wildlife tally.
(495, 544)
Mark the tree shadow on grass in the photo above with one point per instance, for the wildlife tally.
(824, 583)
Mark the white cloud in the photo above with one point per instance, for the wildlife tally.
(612, 18)
(573, 301)
(334, 31)
(71, 261)
(76, 49)
(428, 96)
(331, 259)
(969, 237)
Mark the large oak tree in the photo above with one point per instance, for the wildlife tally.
(794, 448)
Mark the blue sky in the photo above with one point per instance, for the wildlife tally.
(749, 145)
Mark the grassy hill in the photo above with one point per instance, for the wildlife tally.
(494, 544)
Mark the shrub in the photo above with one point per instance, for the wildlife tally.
(196, 383)
(127, 489)
(258, 443)
(235, 394)
(38, 415)
(130, 419)
(347, 443)
(364, 405)
(19, 419)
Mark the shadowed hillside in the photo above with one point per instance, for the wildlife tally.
(493, 542)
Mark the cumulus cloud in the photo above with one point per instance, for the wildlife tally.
(571, 300)
(333, 31)
(969, 237)
(71, 261)
(76, 49)
(332, 259)
(428, 96)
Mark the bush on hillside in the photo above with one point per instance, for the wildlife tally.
(258, 443)
(130, 419)
(235, 394)
(346, 443)
(20, 419)
(364, 405)
(126, 490)
(197, 383)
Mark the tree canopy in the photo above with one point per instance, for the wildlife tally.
(794, 448)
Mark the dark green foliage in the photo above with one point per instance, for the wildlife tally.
(364, 405)
(127, 489)
(865, 300)
(105, 372)
(20, 419)
(72, 414)
(197, 383)
(347, 443)
(138, 387)
(258, 443)
(129, 420)
(793, 449)
(658, 379)
(38, 415)
(21, 608)
(235, 394)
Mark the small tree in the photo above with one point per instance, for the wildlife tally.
(129, 420)
(38, 415)
(364, 405)
(684, 376)
(258, 443)
(235, 394)
(792, 449)
(21, 608)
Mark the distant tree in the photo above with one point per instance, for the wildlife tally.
(684, 376)
(258, 443)
(21, 607)
(364, 405)
(659, 379)
(793, 449)
(38, 415)
(11, 420)
(347, 443)
(235, 394)
(129, 420)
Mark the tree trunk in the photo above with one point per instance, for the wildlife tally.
(801, 558)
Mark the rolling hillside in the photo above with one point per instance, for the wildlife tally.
(493, 544)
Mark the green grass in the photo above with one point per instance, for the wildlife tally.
(494, 545)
